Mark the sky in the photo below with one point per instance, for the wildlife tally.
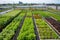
(29, 1)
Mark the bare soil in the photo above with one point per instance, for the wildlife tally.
(55, 23)
(36, 16)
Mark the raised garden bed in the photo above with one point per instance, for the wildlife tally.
(18, 29)
(54, 23)
(10, 29)
(45, 32)
(27, 30)
(7, 18)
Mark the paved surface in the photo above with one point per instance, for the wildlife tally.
(5, 11)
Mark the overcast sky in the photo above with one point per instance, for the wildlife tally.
(29, 1)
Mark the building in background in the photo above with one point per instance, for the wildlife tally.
(20, 2)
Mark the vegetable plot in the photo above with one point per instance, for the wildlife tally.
(27, 30)
(9, 31)
(45, 32)
(54, 11)
(57, 17)
(29, 25)
(48, 14)
(29, 14)
(6, 18)
(55, 24)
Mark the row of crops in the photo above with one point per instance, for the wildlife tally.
(24, 21)
(10, 29)
(48, 14)
(6, 18)
(45, 31)
(54, 11)
(27, 30)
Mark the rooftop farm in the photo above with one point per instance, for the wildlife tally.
(28, 24)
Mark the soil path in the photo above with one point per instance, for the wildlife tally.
(35, 28)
